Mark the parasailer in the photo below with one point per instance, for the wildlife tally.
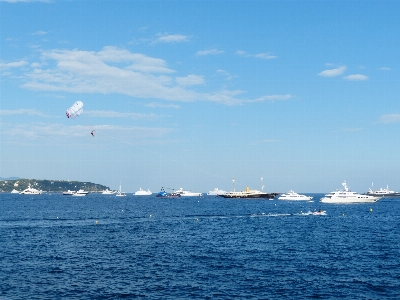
(75, 110)
(92, 133)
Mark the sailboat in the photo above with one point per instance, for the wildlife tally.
(120, 193)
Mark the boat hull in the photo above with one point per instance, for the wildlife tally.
(246, 195)
(349, 200)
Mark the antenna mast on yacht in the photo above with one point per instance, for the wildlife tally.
(233, 183)
(262, 185)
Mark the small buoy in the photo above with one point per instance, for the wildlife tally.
(97, 222)
(197, 219)
(275, 204)
(150, 216)
(370, 209)
(57, 217)
(342, 215)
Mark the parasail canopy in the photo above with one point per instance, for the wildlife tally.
(75, 110)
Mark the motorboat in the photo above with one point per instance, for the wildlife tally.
(80, 193)
(30, 191)
(14, 191)
(68, 193)
(164, 194)
(141, 192)
(108, 192)
(346, 196)
(291, 195)
(184, 193)
(383, 192)
(248, 193)
(216, 192)
(120, 193)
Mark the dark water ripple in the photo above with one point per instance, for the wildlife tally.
(196, 248)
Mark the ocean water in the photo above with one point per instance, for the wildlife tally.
(107, 247)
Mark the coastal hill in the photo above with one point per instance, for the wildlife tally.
(49, 185)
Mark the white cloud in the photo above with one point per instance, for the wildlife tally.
(190, 80)
(209, 52)
(333, 72)
(227, 75)
(356, 77)
(272, 98)
(260, 55)
(172, 38)
(162, 105)
(389, 118)
(114, 114)
(385, 69)
(265, 56)
(114, 70)
(30, 112)
(14, 64)
(43, 131)
(40, 32)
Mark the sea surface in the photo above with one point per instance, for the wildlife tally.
(142, 247)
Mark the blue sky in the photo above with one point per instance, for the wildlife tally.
(304, 94)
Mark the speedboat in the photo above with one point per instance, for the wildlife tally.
(80, 193)
(216, 192)
(184, 193)
(141, 192)
(108, 192)
(383, 192)
(293, 196)
(319, 212)
(30, 191)
(248, 193)
(346, 196)
(68, 193)
(14, 191)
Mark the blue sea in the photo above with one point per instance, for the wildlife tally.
(106, 247)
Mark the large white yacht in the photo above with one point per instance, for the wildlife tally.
(108, 192)
(248, 193)
(31, 191)
(293, 196)
(346, 196)
(141, 192)
(383, 192)
(184, 193)
(216, 192)
(80, 193)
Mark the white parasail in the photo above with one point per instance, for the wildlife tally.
(75, 110)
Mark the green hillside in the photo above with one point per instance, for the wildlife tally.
(50, 185)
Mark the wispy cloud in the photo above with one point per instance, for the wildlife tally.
(16, 1)
(356, 77)
(34, 131)
(227, 75)
(384, 69)
(13, 64)
(114, 114)
(259, 55)
(190, 80)
(29, 112)
(114, 70)
(40, 32)
(389, 118)
(209, 52)
(333, 72)
(171, 38)
(162, 105)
